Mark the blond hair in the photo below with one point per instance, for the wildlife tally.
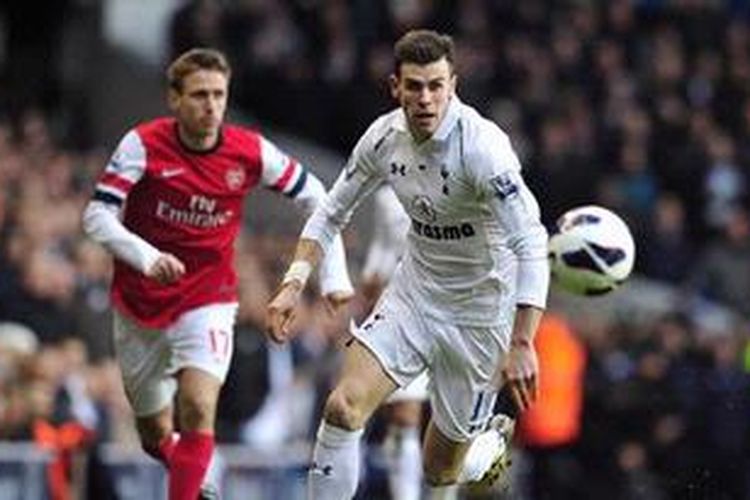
(194, 60)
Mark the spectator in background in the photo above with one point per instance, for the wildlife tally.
(549, 431)
(666, 251)
(723, 270)
(726, 419)
(197, 23)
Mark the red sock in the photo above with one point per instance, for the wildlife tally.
(166, 448)
(188, 464)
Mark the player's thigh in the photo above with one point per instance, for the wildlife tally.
(197, 397)
(443, 456)
(462, 368)
(389, 334)
(362, 386)
(144, 358)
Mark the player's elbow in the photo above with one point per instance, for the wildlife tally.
(315, 192)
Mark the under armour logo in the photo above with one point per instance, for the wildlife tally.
(398, 169)
(326, 470)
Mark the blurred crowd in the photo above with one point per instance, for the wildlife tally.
(641, 106)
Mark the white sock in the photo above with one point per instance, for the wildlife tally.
(404, 458)
(447, 492)
(480, 456)
(334, 473)
(215, 471)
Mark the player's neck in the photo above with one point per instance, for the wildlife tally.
(198, 143)
(419, 137)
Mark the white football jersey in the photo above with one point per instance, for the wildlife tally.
(388, 235)
(476, 246)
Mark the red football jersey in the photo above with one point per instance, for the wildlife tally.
(188, 203)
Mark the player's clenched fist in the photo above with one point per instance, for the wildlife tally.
(167, 269)
(282, 310)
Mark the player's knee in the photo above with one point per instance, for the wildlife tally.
(196, 412)
(343, 411)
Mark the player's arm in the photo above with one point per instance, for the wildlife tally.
(518, 214)
(101, 217)
(285, 175)
(356, 182)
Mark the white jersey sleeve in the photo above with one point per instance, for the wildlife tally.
(390, 228)
(101, 217)
(514, 206)
(358, 179)
(284, 174)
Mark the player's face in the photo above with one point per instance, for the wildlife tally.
(200, 106)
(424, 92)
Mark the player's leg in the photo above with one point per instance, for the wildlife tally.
(202, 343)
(197, 395)
(143, 357)
(402, 445)
(449, 463)
(461, 445)
(379, 358)
(443, 459)
(362, 386)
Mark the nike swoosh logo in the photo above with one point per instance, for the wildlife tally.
(171, 172)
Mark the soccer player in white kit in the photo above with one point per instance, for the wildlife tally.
(168, 207)
(466, 300)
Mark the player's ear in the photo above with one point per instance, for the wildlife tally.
(173, 99)
(393, 83)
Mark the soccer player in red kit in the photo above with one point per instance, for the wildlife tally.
(168, 206)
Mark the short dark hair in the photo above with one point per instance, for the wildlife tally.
(423, 47)
(194, 60)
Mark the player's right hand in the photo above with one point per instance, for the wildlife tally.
(282, 310)
(167, 269)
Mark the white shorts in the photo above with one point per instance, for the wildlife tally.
(149, 358)
(460, 360)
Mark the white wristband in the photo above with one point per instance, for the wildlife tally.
(299, 270)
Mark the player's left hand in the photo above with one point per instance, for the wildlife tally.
(520, 373)
(281, 311)
(336, 302)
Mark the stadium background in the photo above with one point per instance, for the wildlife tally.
(641, 106)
